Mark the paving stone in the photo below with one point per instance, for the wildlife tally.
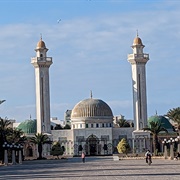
(95, 168)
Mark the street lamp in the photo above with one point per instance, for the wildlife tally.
(5, 146)
(178, 141)
(19, 148)
(171, 142)
(13, 147)
(165, 148)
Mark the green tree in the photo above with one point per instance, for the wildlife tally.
(9, 135)
(56, 149)
(123, 123)
(123, 146)
(16, 136)
(40, 139)
(58, 127)
(155, 128)
(174, 115)
(4, 131)
(67, 126)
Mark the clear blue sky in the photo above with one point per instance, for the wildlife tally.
(89, 48)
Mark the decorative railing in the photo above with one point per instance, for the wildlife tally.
(133, 56)
(42, 59)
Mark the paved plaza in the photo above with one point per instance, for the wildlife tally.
(95, 168)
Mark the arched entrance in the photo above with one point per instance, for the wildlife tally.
(92, 144)
(29, 151)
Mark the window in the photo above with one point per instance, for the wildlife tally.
(92, 125)
(86, 125)
(106, 124)
(97, 125)
(110, 125)
(102, 124)
(80, 125)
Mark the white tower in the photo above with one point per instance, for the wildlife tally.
(41, 64)
(138, 61)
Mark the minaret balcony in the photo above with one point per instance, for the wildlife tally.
(138, 56)
(41, 59)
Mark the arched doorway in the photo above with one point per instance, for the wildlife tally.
(29, 151)
(92, 143)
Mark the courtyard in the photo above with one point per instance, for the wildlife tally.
(95, 168)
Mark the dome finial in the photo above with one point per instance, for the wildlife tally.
(137, 33)
(91, 94)
(156, 113)
(41, 36)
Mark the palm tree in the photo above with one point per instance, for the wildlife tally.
(67, 126)
(123, 123)
(16, 136)
(174, 115)
(4, 132)
(155, 128)
(40, 139)
(4, 126)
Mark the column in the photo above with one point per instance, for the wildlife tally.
(165, 148)
(171, 142)
(20, 156)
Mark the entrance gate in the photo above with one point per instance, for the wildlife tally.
(93, 146)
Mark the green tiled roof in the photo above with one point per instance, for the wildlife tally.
(28, 126)
(162, 120)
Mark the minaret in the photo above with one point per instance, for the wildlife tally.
(41, 64)
(138, 61)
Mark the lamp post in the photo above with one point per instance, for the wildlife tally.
(165, 148)
(20, 147)
(171, 142)
(5, 146)
(13, 147)
(178, 141)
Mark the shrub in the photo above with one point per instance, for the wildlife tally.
(123, 146)
(56, 149)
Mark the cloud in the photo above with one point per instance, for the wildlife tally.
(90, 53)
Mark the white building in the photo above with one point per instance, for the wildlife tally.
(92, 128)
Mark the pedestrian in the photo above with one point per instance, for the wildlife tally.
(177, 156)
(83, 157)
(148, 155)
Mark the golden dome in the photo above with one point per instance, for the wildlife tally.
(41, 44)
(137, 41)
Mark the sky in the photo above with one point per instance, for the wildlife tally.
(89, 47)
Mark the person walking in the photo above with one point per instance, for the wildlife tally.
(148, 155)
(177, 156)
(83, 157)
